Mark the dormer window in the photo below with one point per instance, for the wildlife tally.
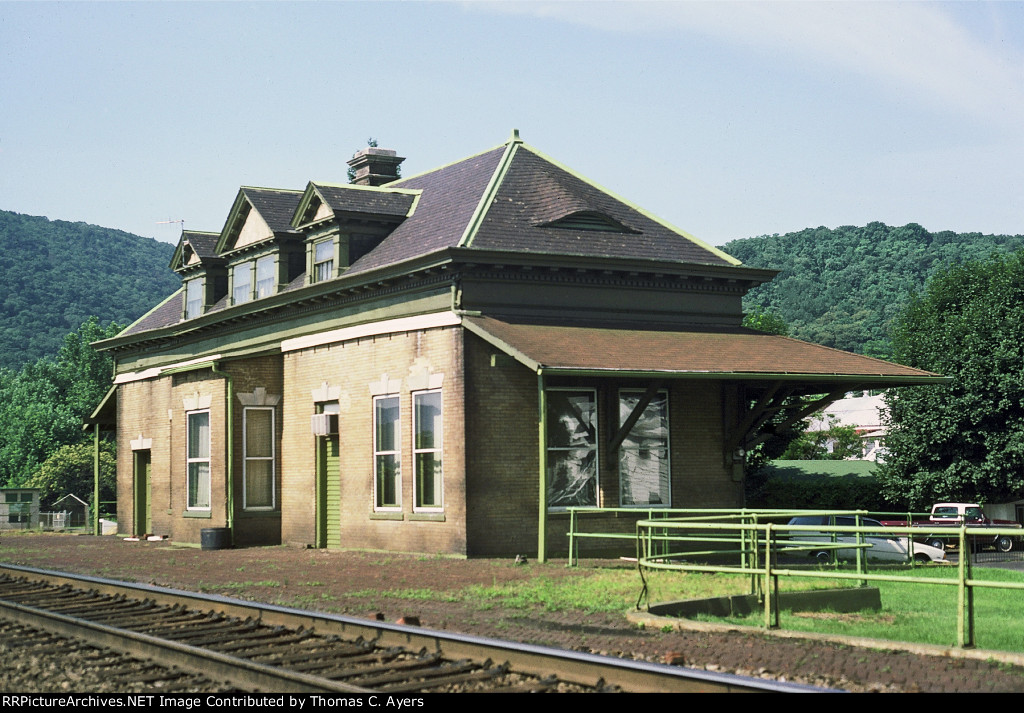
(589, 220)
(323, 260)
(265, 281)
(193, 298)
(242, 289)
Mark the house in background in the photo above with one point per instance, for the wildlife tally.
(862, 411)
(448, 362)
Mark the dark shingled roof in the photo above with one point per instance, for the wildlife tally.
(529, 194)
(535, 191)
(351, 199)
(450, 197)
(275, 205)
(738, 351)
(500, 200)
(165, 314)
(205, 244)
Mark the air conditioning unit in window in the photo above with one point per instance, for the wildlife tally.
(325, 424)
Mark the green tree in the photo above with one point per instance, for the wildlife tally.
(831, 441)
(69, 469)
(43, 405)
(964, 441)
(764, 321)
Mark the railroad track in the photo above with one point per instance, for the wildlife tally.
(264, 648)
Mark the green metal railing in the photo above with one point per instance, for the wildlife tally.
(579, 516)
(753, 548)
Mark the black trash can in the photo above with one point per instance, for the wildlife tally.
(215, 538)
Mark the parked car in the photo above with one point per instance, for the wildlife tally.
(946, 519)
(881, 546)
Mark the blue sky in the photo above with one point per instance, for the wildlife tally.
(728, 120)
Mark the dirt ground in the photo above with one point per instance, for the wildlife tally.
(352, 582)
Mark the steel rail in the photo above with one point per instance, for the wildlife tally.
(584, 669)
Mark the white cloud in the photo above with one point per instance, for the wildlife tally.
(925, 49)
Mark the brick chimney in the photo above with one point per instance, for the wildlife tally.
(374, 166)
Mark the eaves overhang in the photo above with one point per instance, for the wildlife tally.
(475, 256)
(735, 355)
(365, 282)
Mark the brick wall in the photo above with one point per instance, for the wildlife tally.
(351, 373)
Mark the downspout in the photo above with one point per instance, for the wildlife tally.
(230, 426)
(542, 495)
(96, 479)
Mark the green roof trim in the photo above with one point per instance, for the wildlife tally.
(697, 241)
(175, 295)
(489, 193)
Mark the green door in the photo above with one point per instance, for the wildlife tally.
(328, 493)
(143, 520)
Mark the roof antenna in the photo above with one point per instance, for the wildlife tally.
(179, 220)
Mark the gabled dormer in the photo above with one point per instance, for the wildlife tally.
(263, 252)
(343, 222)
(203, 272)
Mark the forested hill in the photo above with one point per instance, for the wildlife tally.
(56, 274)
(841, 287)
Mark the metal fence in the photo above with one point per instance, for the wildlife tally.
(768, 552)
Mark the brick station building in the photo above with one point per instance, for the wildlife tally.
(447, 362)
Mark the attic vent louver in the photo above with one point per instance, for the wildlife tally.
(589, 220)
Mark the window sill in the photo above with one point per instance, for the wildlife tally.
(205, 514)
(387, 515)
(245, 514)
(427, 517)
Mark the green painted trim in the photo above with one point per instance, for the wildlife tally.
(503, 346)
(94, 417)
(96, 480)
(426, 517)
(259, 514)
(754, 376)
(198, 514)
(341, 286)
(234, 214)
(697, 241)
(175, 295)
(542, 491)
(313, 188)
(488, 195)
(387, 516)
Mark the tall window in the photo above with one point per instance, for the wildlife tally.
(644, 472)
(386, 453)
(193, 298)
(265, 281)
(258, 492)
(199, 460)
(426, 446)
(323, 260)
(242, 291)
(572, 448)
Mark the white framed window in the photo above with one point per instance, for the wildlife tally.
(259, 490)
(265, 281)
(323, 260)
(572, 448)
(427, 450)
(241, 290)
(387, 455)
(193, 298)
(198, 460)
(645, 470)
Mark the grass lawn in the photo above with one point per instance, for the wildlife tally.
(917, 613)
(924, 613)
